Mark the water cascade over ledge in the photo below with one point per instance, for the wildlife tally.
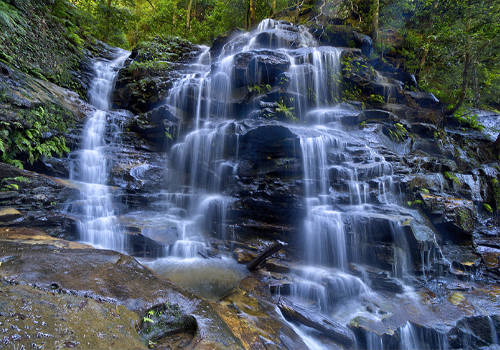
(98, 224)
(265, 147)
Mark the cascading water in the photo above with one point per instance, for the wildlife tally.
(98, 225)
(350, 216)
(205, 163)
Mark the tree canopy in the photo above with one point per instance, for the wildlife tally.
(126, 22)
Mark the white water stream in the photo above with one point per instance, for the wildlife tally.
(98, 225)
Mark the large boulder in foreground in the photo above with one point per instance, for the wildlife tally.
(114, 286)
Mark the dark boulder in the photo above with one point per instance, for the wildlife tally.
(326, 325)
(159, 126)
(269, 142)
(343, 36)
(219, 42)
(259, 67)
(454, 215)
(424, 99)
(389, 70)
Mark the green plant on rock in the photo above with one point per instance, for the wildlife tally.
(287, 111)
(377, 98)
(154, 66)
(31, 135)
(415, 202)
(453, 178)
(351, 93)
(148, 316)
(488, 207)
(399, 133)
(259, 89)
(168, 135)
(469, 119)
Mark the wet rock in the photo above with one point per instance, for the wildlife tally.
(274, 141)
(421, 182)
(244, 256)
(326, 325)
(424, 99)
(35, 236)
(36, 198)
(159, 126)
(35, 318)
(451, 214)
(389, 69)
(378, 279)
(163, 320)
(342, 36)
(424, 129)
(143, 96)
(251, 314)
(219, 42)
(475, 332)
(129, 285)
(249, 67)
(9, 214)
(377, 116)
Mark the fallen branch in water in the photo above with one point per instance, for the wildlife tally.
(266, 254)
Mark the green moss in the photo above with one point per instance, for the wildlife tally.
(34, 133)
(453, 178)
(46, 42)
(415, 202)
(488, 207)
(164, 319)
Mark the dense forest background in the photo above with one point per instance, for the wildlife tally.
(451, 46)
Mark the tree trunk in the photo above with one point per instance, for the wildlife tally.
(188, 18)
(375, 15)
(266, 254)
(108, 22)
(252, 14)
(467, 63)
(427, 41)
(174, 16)
(273, 9)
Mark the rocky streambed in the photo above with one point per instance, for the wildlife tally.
(408, 202)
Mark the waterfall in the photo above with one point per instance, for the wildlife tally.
(98, 225)
(353, 260)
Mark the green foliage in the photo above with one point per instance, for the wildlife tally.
(467, 118)
(31, 137)
(453, 178)
(377, 98)
(451, 46)
(399, 134)
(126, 22)
(10, 17)
(488, 207)
(168, 134)
(153, 66)
(415, 202)
(13, 183)
(259, 89)
(148, 316)
(286, 111)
